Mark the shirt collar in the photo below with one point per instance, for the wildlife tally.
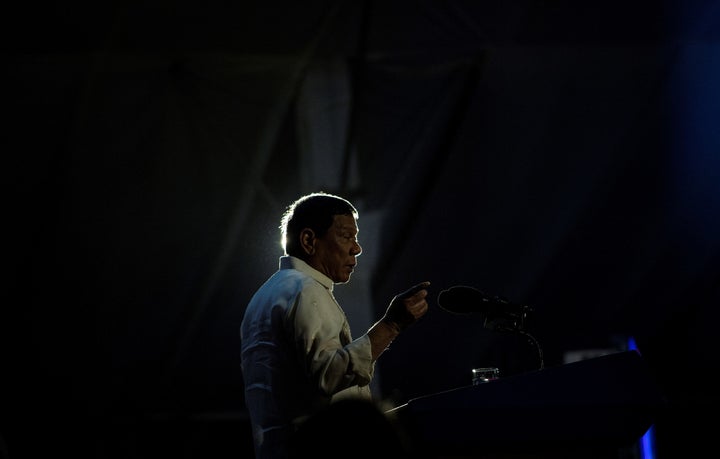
(290, 262)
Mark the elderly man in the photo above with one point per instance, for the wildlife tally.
(298, 354)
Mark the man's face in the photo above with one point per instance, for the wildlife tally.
(335, 253)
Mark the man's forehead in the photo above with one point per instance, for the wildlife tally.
(345, 222)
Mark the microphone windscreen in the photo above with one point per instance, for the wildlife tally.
(462, 299)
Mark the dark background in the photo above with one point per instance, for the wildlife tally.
(564, 155)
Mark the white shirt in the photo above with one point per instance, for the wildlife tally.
(298, 354)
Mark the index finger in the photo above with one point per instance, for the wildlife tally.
(416, 288)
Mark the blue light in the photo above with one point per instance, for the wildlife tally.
(647, 442)
(631, 345)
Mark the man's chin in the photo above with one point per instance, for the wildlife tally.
(342, 280)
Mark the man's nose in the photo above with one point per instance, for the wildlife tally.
(357, 249)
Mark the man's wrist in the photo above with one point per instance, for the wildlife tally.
(392, 324)
(381, 334)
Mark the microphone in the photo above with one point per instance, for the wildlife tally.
(500, 314)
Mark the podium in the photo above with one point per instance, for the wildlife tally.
(591, 409)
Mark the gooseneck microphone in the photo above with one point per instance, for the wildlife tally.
(500, 314)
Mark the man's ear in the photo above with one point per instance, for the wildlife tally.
(307, 241)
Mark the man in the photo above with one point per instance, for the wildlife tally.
(298, 355)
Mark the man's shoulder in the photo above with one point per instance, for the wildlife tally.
(288, 279)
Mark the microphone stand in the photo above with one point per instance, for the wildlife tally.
(534, 342)
(516, 327)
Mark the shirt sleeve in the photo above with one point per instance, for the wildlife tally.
(328, 354)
